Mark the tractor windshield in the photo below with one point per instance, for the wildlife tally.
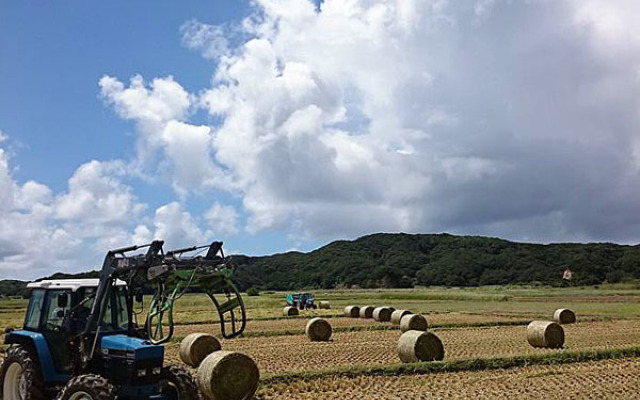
(116, 315)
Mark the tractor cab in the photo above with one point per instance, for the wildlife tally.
(58, 310)
(57, 316)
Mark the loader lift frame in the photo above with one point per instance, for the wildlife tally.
(171, 275)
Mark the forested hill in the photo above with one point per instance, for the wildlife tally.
(403, 260)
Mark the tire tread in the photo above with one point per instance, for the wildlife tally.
(95, 385)
(27, 357)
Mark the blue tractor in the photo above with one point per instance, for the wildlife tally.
(81, 341)
(302, 301)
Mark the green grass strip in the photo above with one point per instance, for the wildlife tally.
(476, 364)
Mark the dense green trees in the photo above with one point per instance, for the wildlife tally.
(402, 260)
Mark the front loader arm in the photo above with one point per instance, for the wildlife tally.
(171, 275)
(211, 274)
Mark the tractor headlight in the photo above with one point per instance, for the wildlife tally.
(142, 372)
(156, 371)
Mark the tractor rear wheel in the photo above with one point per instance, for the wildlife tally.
(178, 382)
(20, 376)
(87, 387)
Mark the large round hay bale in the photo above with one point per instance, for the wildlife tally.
(196, 347)
(289, 311)
(397, 315)
(413, 322)
(420, 346)
(564, 316)
(545, 334)
(382, 314)
(366, 312)
(227, 375)
(324, 305)
(318, 330)
(392, 309)
(352, 311)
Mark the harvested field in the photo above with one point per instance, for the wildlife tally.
(482, 329)
(290, 353)
(299, 323)
(600, 379)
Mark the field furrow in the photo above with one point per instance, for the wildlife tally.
(597, 380)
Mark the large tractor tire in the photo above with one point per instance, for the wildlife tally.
(20, 376)
(87, 387)
(178, 382)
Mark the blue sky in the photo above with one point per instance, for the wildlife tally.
(53, 56)
(275, 125)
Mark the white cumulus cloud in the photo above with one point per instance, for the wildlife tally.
(222, 219)
(506, 118)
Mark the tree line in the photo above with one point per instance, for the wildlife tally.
(403, 260)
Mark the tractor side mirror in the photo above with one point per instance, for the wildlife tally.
(138, 297)
(62, 300)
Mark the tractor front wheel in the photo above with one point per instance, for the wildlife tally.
(88, 387)
(20, 376)
(179, 383)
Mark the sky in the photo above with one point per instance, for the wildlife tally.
(278, 125)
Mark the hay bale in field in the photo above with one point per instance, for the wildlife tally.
(352, 311)
(318, 330)
(290, 311)
(413, 322)
(420, 346)
(564, 316)
(392, 309)
(545, 334)
(366, 312)
(324, 305)
(382, 314)
(397, 315)
(196, 347)
(227, 375)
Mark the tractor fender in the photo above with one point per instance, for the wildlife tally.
(37, 341)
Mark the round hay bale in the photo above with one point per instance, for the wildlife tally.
(352, 311)
(196, 347)
(392, 309)
(413, 322)
(324, 305)
(228, 375)
(397, 315)
(289, 311)
(420, 346)
(564, 316)
(545, 334)
(318, 330)
(382, 314)
(366, 312)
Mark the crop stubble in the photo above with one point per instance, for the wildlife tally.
(599, 379)
(292, 353)
(299, 323)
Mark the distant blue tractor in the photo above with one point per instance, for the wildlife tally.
(81, 341)
(301, 301)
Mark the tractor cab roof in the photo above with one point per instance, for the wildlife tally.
(73, 284)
